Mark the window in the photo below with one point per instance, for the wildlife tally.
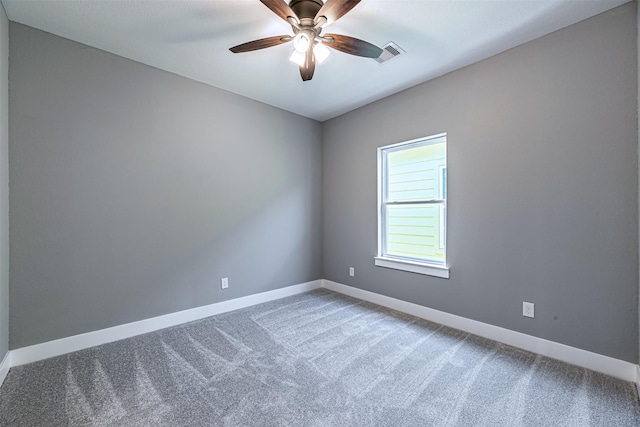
(412, 206)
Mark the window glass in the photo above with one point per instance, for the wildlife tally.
(413, 191)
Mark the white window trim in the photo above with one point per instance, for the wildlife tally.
(442, 170)
(412, 266)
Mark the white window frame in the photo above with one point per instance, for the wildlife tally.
(384, 260)
(442, 194)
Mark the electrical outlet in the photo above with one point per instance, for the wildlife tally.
(352, 271)
(527, 309)
(224, 282)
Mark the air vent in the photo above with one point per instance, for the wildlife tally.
(389, 51)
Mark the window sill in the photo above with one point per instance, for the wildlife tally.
(413, 267)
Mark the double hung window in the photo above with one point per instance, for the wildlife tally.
(412, 206)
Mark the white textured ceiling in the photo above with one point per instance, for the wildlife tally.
(192, 38)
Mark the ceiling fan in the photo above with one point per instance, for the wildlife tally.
(307, 17)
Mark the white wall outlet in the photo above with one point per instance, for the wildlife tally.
(352, 271)
(224, 282)
(527, 309)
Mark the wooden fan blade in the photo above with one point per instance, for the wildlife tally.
(260, 44)
(353, 46)
(280, 8)
(334, 9)
(307, 70)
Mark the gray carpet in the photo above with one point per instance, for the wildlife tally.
(316, 359)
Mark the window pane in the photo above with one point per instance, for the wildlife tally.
(413, 231)
(415, 173)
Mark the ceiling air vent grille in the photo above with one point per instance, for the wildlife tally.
(389, 51)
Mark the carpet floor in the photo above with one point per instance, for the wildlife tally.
(315, 359)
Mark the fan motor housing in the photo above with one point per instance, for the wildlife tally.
(306, 9)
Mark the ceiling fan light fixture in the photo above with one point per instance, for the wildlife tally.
(301, 42)
(321, 52)
(297, 57)
(308, 19)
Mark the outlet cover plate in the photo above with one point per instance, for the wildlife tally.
(528, 309)
(224, 282)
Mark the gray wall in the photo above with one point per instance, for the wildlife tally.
(4, 183)
(133, 191)
(543, 187)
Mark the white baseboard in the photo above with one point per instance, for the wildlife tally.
(638, 380)
(34, 353)
(4, 366)
(586, 359)
(597, 362)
